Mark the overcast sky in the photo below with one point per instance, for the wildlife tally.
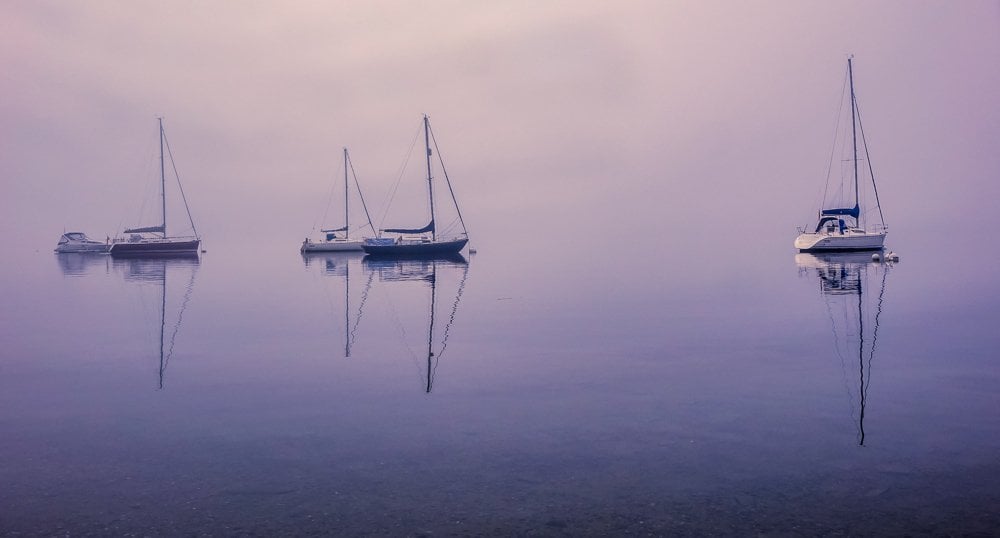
(555, 119)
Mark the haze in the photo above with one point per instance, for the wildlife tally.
(672, 124)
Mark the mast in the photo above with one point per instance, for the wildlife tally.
(163, 182)
(430, 327)
(854, 136)
(430, 184)
(163, 321)
(862, 271)
(347, 232)
(347, 304)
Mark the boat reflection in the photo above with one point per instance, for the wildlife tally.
(82, 263)
(844, 281)
(151, 274)
(430, 273)
(338, 264)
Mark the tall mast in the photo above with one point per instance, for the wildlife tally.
(854, 136)
(430, 328)
(347, 307)
(346, 218)
(163, 182)
(430, 184)
(861, 357)
(163, 320)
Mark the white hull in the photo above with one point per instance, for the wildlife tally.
(93, 248)
(79, 242)
(850, 240)
(337, 245)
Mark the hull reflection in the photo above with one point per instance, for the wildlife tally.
(153, 272)
(848, 283)
(338, 265)
(82, 263)
(426, 272)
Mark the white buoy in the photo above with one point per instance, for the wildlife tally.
(876, 257)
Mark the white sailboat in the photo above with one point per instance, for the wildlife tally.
(153, 240)
(842, 228)
(425, 241)
(331, 242)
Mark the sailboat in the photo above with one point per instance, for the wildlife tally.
(153, 240)
(415, 242)
(332, 242)
(845, 279)
(842, 228)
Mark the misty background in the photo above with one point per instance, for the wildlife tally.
(565, 126)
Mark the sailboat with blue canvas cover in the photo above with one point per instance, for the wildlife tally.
(428, 240)
(841, 226)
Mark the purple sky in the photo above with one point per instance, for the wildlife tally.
(604, 120)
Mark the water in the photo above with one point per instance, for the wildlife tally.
(682, 392)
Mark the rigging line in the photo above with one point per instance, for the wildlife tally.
(357, 184)
(871, 354)
(454, 310)
(179, 186)
(146, 172)
(364, 298)
(871, 170)
(836, 134)
(448, 182)
(394, 316)
(329, 202)
(447, 228)
(180, 316)
(399, 176)
(326, 292)
(142, 206)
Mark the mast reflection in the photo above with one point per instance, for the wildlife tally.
(426, 271)
(152, 272)
(844, 280)
(338, 265)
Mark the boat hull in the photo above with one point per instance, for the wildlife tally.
(78, 242)
(156, 247)
(819, 242)
(83, 248)
(333, 246)
(415, 249)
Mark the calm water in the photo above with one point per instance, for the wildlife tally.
(550, 393)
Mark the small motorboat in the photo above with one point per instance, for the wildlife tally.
(79, 242)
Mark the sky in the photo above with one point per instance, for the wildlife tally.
(670, 123)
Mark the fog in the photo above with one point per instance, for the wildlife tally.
(601, 125)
